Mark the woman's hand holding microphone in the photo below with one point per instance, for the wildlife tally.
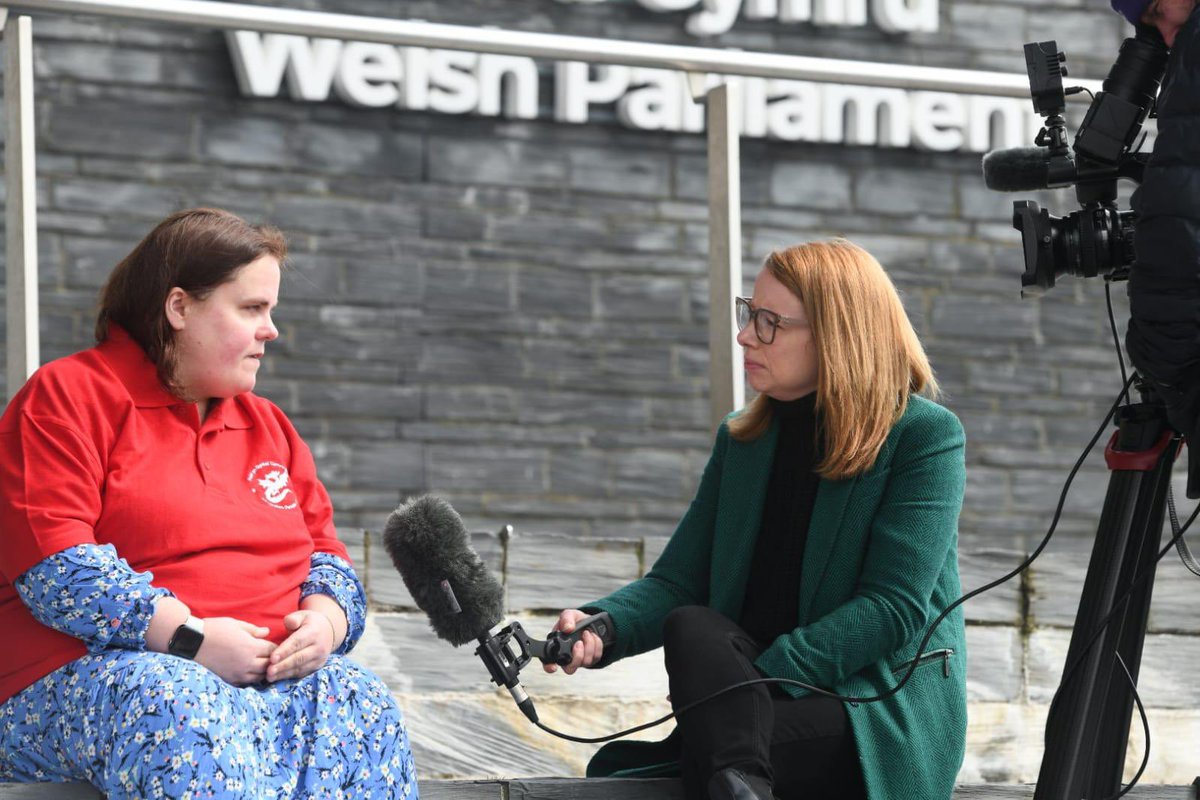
(586, 652)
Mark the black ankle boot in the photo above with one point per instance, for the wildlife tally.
(733, 784)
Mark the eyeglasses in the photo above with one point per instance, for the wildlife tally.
(766, 322)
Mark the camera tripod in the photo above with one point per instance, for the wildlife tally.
(1088, 726)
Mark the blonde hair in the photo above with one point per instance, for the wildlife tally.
(869, 359)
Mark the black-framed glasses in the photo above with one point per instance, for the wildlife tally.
(766, 322)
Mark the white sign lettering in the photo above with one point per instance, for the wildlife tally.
(802, 111)
(906, 16)
(458, 82)
(575, 90)
(377, 75)
(714, 17)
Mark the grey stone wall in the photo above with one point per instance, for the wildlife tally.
(513, 314)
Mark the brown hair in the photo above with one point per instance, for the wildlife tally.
(197, 250)
(869, 359)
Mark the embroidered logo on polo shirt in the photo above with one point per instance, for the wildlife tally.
(269, 480)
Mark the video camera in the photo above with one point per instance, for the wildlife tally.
(1098, 238)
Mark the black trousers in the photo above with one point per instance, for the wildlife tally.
(803, 746)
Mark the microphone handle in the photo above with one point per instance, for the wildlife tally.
(558, 644)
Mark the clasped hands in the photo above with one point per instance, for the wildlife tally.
(240, 653)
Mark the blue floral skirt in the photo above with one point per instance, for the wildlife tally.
(139, 724)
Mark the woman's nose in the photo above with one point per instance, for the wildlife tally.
(746, 337)
(269, 332)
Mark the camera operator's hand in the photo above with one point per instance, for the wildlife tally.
(586, 652)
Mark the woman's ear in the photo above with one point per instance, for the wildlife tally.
(177, 304)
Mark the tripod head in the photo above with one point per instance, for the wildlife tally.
(1178, 408)
(1142, 430)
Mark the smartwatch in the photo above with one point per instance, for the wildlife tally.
(188, 637)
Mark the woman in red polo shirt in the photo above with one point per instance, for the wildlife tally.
(175, 598)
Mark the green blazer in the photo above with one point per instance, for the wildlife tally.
(880, 563)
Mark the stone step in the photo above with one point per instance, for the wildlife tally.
(579, 789)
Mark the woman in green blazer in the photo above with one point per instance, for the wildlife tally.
(821, 542)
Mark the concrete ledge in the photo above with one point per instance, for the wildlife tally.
(48, 791)
(580, 789)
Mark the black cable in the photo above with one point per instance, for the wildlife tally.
(676, 713)
(1185, 554)
(680, 712)
(1145, 727)
(1112, 326)
(789, 682)
(610, 737)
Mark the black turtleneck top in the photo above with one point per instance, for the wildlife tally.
(771, 605)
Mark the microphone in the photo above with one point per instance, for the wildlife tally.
(1017, 169)
(431, 548)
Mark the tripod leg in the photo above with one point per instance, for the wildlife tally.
(1112, 716)
(1082, 729)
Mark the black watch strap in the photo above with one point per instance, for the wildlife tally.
(188, 637)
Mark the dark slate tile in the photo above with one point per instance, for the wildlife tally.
(552, 572)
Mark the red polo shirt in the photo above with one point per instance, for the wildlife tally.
(225, 513)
